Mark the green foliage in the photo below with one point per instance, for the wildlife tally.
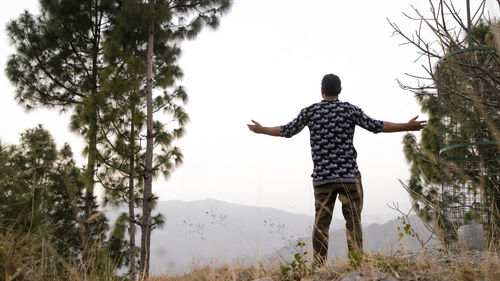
(356, 258)
(298, 268)
(390, 264)
(41, 193)
(426, 175)
(41, 188)
(54, 64)
(403, 231)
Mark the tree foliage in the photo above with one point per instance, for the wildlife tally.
(41, 187)
(41, 193)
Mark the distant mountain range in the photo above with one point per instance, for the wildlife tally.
(209, 231)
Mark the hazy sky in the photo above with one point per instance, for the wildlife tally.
(265, 62)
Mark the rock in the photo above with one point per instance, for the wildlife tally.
(471, 236)
(441, 257)
(366, 276)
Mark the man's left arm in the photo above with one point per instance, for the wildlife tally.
(412, 125)
(377, 126)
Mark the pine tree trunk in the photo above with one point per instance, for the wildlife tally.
(92, 150)
(131, 214)
(148, 177)
(89, 185)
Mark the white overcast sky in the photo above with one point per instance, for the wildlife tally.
(265, 62)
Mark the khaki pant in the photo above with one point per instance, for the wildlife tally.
(351, 196)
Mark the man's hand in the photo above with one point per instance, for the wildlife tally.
(257, 128)
(412, 125)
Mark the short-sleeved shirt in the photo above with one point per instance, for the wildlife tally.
(331, 124)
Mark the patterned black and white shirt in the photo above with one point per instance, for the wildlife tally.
(331, 124)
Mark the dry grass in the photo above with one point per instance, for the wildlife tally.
(26, 256)
(20, 257)
(13, 262)
(222, 273)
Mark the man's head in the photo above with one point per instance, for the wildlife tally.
(330, 85)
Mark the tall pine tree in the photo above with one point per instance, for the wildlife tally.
(122, 124)
(166, 23)
(56, 64)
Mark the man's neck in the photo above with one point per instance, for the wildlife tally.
(331, 97)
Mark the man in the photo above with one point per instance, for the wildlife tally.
(331, 124)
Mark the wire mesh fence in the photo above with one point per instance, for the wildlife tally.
(468, 83)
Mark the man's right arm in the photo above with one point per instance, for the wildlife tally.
(259, 129)
(412, 125)
(286, 131)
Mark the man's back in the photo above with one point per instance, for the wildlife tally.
(332, 124)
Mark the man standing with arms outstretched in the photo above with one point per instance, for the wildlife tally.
(331, 125)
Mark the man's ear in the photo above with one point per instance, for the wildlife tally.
(322, 92)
